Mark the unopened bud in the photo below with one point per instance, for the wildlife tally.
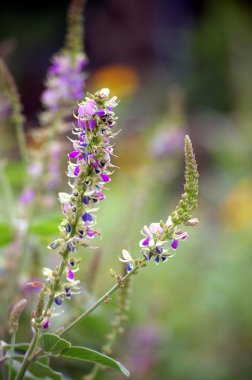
(104, 93)
(192, 222)
(15, 315)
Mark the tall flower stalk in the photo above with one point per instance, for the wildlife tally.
(89, 169)
(64, 87)
(11, 96)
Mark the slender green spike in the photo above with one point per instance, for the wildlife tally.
(75, 29)
(189, 201)
(8, 86)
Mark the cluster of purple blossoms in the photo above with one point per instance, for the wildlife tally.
(65, 81)
(89, 171)
(158, 238)
(155, 241)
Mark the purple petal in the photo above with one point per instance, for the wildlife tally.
(87, 217)
(174, 244)
(88, 108)
(157, 259)
(91, 124)
(27, 196)
(70, 275)
(86, 200)
(58, 300)
(128, 267)
(184, 237)
(73, 154)
(145, 242)
(105, 177)
(90, 234)
(76, 170)
(99, 195)
(81, 123)
(101, 112)
(159, 250)
(46, 323)
(155, 228)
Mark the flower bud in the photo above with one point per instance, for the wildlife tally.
(15, 315)
(192, 222)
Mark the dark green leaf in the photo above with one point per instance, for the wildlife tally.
(41, 370)
(85, 354)
(53, 344)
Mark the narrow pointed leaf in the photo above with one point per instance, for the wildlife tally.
(85, 354)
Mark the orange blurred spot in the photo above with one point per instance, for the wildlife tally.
(35, 284)
(237, 207)
(122, 80)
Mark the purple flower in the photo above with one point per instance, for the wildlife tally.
(65, 82)
(174, 244)
(70, 275)
(87, 217)
(45, 323)
(27, 196)
(88, 108)
(76, 170)
(101, 112)
(105, 177)
(150, 233)
(179, 236)
(86, 200)
(73, 154)
(58, 300)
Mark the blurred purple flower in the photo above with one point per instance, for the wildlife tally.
(166, 142)
(65, 81)
(27, 196)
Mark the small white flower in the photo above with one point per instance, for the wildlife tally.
(126, 257)
(104, 93)
(47, 273)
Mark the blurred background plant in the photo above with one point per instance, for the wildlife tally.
(178, 67)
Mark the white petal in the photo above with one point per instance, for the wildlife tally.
(126, 255)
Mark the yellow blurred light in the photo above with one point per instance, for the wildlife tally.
(236, 210)
(122, 80)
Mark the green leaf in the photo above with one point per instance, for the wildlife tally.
(46, 226)
(41, 370)
(85, 354)
(18, 346)
(5, 233)
(53, 343)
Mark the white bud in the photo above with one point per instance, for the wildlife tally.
(192, 222)
(104, 92)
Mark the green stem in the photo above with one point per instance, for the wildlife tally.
(95, 305)
(28, 356)
(21, 141)
(6, 192)
(100, 300)
(94, 372)
(13, 342)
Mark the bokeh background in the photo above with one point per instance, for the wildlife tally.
(178, 67)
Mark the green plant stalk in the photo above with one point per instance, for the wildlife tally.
(28, 356)
(6, 192)
(13, 342)
(100, 300)
(94, 306)
(21, 141)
